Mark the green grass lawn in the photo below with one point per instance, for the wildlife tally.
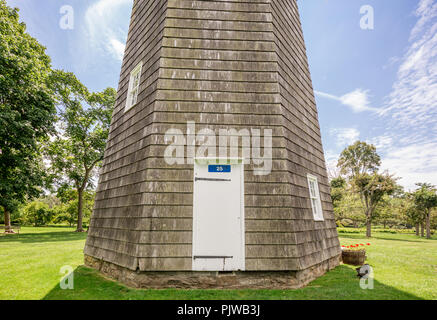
(405, 267)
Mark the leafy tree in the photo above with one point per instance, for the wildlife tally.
(433, 219)
(51, 200)
(360, 163)
(412, 214)
(27, 111)
(337, 189)
(425, 198)
(372, 188)
(76, 152)
(347, 206)
(67, 211)
(338, 182)
(359, 159)
(37, 213)
(389, 211)
(349, 210)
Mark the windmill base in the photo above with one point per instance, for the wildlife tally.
(211, 280)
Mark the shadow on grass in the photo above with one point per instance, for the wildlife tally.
(43, 237)
(338, 284)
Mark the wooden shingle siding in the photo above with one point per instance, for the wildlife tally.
(221, 64)
(116, 240)
(298, 98)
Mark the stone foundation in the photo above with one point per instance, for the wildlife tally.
(212, 280)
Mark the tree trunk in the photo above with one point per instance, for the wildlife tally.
(428, 224)
(80, 211)
(422, 227)
(8, 227)
(417, 229)
(368, 228)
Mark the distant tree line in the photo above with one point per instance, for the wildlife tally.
(362, 195)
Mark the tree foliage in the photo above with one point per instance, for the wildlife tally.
(37, 213)
(67, 211)
(389, 212)
(411, 212)
(348, 210)
(372, 188)
(337, 189)
(27, 110)
(425, 198)
(347, 205)
(360, 164)
(77, 150)
(359, 159)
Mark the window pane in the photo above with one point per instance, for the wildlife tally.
(314, 204)
(315, 198)
(134, 83)
(312, 189)
(134, 96)
(136, 80)
(319, 210)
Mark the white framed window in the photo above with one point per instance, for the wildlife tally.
(316, 203)
(134, 86)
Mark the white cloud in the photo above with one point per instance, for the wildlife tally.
(410, 143)
(104, 27)
(345, 136)
(412, 163)
(381, 142)
(357, 100)
(331, 159)
(412, 102)
(392, 61)
(118, 48)
(426, 10)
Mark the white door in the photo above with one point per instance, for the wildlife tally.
(218, 216)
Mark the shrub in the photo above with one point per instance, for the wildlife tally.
(376, 229)
(347, 223)
(36, 213)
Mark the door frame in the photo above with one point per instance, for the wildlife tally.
(224, 161)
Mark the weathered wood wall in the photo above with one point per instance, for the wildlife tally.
(119, 210)
(316, 241)
(222, 64)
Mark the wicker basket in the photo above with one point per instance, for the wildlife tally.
(354, 257)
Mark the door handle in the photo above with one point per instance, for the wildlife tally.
(211, 179)
(213, 257)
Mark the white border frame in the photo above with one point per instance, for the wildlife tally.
(137, 69)
(311, 178)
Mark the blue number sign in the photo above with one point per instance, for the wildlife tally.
(219, 168)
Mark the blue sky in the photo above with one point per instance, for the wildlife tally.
(376, 85)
